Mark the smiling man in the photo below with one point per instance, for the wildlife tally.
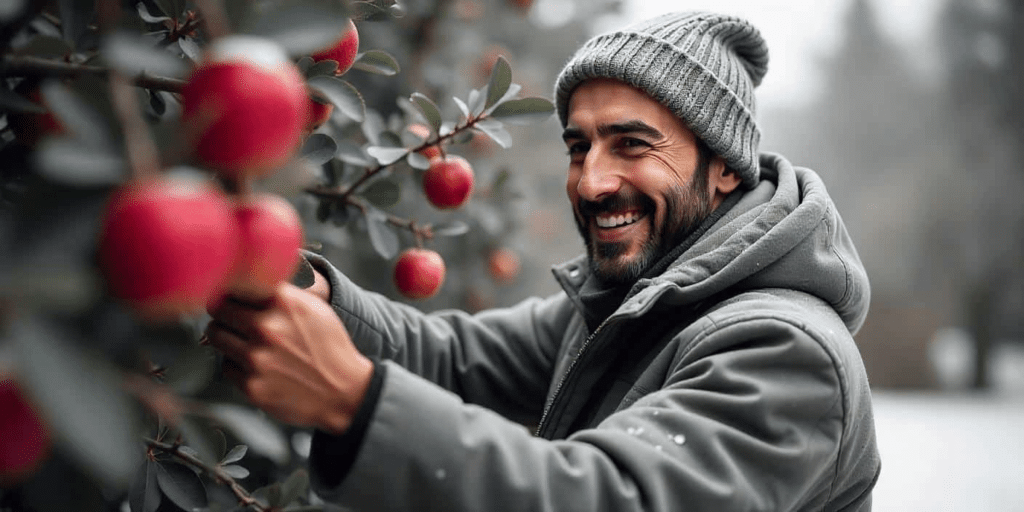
(699, 357)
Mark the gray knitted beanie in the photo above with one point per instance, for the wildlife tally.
(702, 66)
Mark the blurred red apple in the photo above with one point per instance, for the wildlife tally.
(245, 107)
(503, 265)
(24, 439)
(319, 113)
(448, 182)
(271, 235)
(419, 273)
(167, 246)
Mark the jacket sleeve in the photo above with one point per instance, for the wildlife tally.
(502, 359)
(750, 418)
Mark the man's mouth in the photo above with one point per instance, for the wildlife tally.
(608, 221)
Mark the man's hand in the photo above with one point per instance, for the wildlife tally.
(292, 358)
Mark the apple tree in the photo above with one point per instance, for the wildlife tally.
(159, 156)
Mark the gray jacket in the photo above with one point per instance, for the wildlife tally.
(729, 382)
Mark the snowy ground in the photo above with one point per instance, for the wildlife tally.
(953, 452)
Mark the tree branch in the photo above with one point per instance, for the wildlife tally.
(12, 65)
(244, 498)
(425, 231)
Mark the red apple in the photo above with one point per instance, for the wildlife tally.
(167, 246)
(422, 132)
(245, 107)
(271, 236)
(343, 50)
(503, 265)
(319, 113)
(522, 5)
(419, 273)
(24, 439)
(448, 182)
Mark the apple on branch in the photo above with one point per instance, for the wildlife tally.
(343, 50)
(448, 182)
(271, 236)
(245, 107)
(419, 273)
(503, 265)
(167, 246)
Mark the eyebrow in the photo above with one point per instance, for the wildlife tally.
(634, 126)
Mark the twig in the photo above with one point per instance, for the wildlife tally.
(143, 156)
(12, 65)
(218, 474)
(421, 232)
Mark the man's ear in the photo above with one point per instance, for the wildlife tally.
(721, 179)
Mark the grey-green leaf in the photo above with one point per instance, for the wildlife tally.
(524, 111)
(319, 148)
(495, 130)
(477, 102)
(82, 399)
(297, 485)
(454, 228)
(144, 494)
(383, 193)
(429, 110)
(342, 94)
(235, 454)
(254, 429)
(386, 155)
(15, 102)
(70, 161)
(378, 62)
(382, 237)
(75, 114)
(235, 471)
(418, 161)
(181, 485)
(323, 68)
(147, 16)
(501, 78)
(462, 106)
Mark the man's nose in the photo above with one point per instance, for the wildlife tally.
(598, 178)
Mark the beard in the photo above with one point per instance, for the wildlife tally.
(686, 207)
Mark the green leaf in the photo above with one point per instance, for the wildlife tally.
(81, 398)
(181, 485)
(148, 17)
(368, 11)
(190, 48)
(200, 439)
(523, 111)
(319, 148)
(236, 454)
(342, 94)
(462, 106)
(495, 130)
(144, 494)
(418, 161)
(378, 62)
(383, 193)
(254, 429)
(382, 237)
(352, 153)
(269, 496)
(296, 486)
(326, 67)
(304, 64)
(501, 79)
(477, 102)
(235, 471)
(301, 27)
(132, 54)
(512, 91)
(72, 162)
(454, 228)
(429, 110)
(386, 155)
(193, 370)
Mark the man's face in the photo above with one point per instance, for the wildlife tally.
(633, 180)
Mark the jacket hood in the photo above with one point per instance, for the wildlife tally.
(785, 233)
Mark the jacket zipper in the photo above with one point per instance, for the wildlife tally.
(565, 376)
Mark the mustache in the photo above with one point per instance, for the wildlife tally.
(615, 203)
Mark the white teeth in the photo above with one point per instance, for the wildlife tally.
(614, 221)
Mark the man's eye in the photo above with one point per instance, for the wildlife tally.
(578, 148)
(634, 143)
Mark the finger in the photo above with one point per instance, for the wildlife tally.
(236, 316)
(230, 343)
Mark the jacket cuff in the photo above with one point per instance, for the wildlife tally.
(331, 456)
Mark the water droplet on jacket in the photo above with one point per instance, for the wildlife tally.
(678, 439)
(639, 430)
(631, 431)
(440, 474)
(656, 412)
(658, 447)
